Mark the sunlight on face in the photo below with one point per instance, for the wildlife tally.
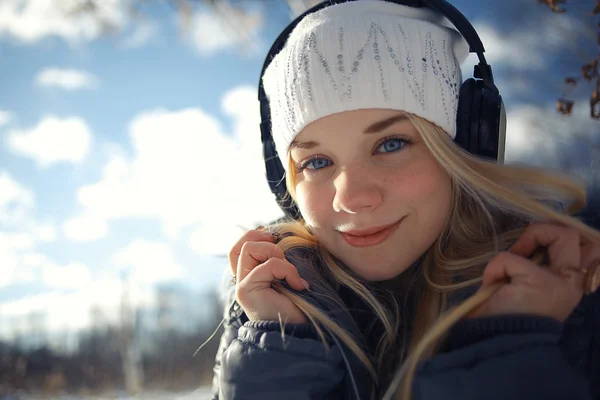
(363, 170)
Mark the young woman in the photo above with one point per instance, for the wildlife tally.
(415, 264)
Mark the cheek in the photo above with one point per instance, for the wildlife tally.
(424, 188)
(312, 207)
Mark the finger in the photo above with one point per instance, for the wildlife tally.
(590, 255)
(255, 253)
(590, 263)
(575, 277)
(506, 266)
(593, 280)
(250, 236)
(264, 274)
(563, 244)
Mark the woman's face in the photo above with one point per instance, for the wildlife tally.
(365, 170)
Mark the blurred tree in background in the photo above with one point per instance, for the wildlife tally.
(589, 71)
(125, 355)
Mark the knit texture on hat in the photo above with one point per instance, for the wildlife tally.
(361, 55)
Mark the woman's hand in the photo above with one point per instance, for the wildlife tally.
(552, 290)
(256, 261)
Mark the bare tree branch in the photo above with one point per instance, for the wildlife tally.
(589, 70)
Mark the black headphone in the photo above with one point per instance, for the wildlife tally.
(481, 119)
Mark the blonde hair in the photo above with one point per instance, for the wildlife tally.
(490, 203)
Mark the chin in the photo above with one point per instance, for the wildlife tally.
(378, 276)
(384, 270)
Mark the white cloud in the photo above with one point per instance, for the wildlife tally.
(518, 50)
(85, 228)
(148, 262)
(70, 276)
(187, 171)
(531, 46)
(539, 134)
(16, 241)
(17, 205)
(226, 27)
(32, 20)
(9, 266)
(26, 265)
(44, 232)
(53, 140)
(142, 34)
(297, 7)
(33, 259)
(16, 201)
(5, 118)
(12, 246)
(67, 79)
(12, 191)
(214, 240)
(21, 263)
(20, 234)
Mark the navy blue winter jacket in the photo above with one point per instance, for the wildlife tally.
(508, 357)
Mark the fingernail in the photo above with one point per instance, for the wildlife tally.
(305, 283)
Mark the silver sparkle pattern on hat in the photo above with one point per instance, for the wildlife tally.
(431, 52)
(312, 45)
(305, 64)
(419, 92)
(446, 77)
(429, 63)
(355, 65)
(279, 105)
(377, 57)
(291, 99)
(347, 93)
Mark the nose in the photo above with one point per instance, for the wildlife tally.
(356, 190)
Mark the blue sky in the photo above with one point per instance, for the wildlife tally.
(138, 153)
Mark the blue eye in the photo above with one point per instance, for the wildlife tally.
(317, 163)
(392, 145)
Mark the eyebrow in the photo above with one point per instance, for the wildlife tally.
(381, 125)
(374, 128)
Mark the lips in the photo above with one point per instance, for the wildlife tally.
(370, 237)
(370, 231)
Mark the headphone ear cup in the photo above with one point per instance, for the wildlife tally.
(464, 116)
(479, 120)
(489, 145)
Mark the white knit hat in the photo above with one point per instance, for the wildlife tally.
(365, 54)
